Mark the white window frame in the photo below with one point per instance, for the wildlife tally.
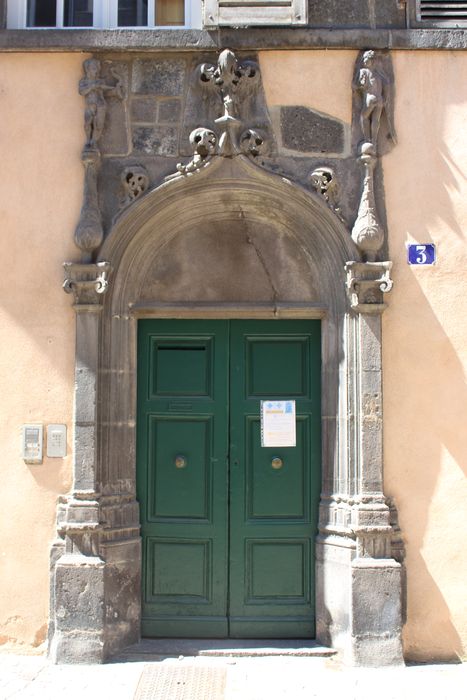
(105, 16)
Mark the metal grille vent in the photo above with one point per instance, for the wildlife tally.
(451, 11)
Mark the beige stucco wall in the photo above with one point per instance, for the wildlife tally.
(40, 141)
(424, 328)
(425, 346)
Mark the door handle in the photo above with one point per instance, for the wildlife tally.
(181, 461)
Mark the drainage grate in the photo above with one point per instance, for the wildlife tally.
(159, 682)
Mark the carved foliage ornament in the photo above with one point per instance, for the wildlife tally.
(324, 182)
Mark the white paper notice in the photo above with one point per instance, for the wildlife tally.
(278, 424)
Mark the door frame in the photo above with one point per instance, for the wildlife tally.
(98, 544)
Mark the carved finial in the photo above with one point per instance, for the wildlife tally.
(367, 232)
(135, 182)
(89, 233)
(325, 183)
(233, 81)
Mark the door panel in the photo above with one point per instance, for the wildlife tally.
(228, 538)
(182, 454)
(273, 511)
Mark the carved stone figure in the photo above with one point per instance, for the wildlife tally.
(135, 182)
(324, 182)
(373, 86)
(93, 89)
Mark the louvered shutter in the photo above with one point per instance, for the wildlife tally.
(446, 13)
(235, 13)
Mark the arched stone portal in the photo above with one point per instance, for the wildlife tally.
(227, 241)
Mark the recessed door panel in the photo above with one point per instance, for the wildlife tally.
(228, 526)
(180, 477)
(277, 483)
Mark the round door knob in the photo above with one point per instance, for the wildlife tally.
(277, 463)
(181, 461)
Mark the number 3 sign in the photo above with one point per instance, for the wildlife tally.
(418, 254)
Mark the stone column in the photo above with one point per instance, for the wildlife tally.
(376, 590)
(77, 595)
(359, 581)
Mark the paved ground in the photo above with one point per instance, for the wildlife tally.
(142, 675)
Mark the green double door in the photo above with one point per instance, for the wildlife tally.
(228, 526)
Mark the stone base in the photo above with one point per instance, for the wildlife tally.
(359, 611)
(79, 610)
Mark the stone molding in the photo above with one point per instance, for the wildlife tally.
(366, 284)
(252, 39)
(87, 282)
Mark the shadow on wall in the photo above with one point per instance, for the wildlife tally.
(424, 361)
(420, 427)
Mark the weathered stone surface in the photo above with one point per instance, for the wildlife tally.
(339, 14)
(79, 602)
(114, 140)
(144, 110)
(169, 111)
(389, 14)
(249, 39)
(158, 76)
(304, 130)
(160, 140)
(376, 613)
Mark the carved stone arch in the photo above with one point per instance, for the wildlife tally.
(232, 241)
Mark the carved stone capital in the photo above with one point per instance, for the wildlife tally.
(366, 283)
(87, 282)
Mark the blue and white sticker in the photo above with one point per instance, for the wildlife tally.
(421, 253)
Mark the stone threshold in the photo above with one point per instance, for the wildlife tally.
(148, 648)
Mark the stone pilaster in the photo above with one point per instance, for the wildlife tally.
(77, 569)
(357, 539)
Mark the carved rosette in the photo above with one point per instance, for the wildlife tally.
(366, 284)
(87, 282)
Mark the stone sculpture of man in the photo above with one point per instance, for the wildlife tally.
(93, 89)
(372, 85)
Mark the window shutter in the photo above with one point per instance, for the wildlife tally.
(442, 12)
(241, 13)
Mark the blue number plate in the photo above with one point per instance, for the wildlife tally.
(421, 254)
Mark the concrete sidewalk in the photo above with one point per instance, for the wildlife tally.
(140, 675)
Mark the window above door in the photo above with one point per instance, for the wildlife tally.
(149, 14)
(103, 14)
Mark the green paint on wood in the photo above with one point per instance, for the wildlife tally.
(228, 540)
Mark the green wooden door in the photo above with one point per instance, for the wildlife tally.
(228, 538)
